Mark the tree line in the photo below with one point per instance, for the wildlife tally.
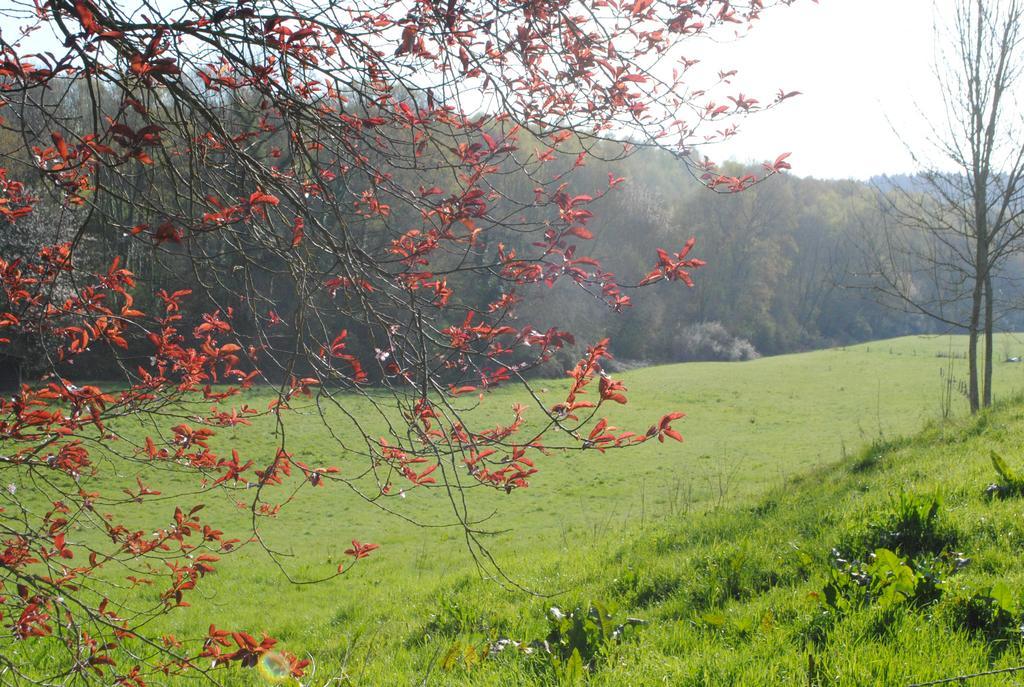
(787, 263)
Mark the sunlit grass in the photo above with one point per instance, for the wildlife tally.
(650, 529)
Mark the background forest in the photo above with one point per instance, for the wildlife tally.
(789, 265)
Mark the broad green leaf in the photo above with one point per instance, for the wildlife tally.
(1003, 597)
(572, 670)
(1003, 469)
(602, 620)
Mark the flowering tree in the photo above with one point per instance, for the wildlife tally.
(341, 199)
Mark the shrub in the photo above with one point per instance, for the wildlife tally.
(711, 341)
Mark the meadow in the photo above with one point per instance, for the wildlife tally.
(720, 544)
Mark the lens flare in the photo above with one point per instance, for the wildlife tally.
(274, 667)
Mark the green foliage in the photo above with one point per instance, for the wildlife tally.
(574, 647)
(451, 618)
(733, 574)
(993, 613)
(464, 656)
(887, 580)
(910, 525)
(579, 639)
(910, 562)
(1011, 484)
(643, 587)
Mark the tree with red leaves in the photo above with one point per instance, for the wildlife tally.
(337, 180)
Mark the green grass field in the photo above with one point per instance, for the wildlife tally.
(719, 543)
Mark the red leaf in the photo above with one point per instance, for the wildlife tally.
(360, 550)
(62, 147)
(581, 232)
(261, 198)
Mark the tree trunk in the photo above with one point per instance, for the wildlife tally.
(972, 346)
(989, 297)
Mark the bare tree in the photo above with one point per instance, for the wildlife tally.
(948, 231)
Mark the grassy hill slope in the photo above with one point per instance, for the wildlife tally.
(722, 544)
(740, 596)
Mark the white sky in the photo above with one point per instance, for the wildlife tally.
(856, 62)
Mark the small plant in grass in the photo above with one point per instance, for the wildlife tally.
(933, 573)
(887, 580)
(911, 526)
(466, 656)
(884, 578)
(578, 639)
(910, 563)
(1010, 482)
(643, 588)
(575, 644)
(994, 613)
(452, 618)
